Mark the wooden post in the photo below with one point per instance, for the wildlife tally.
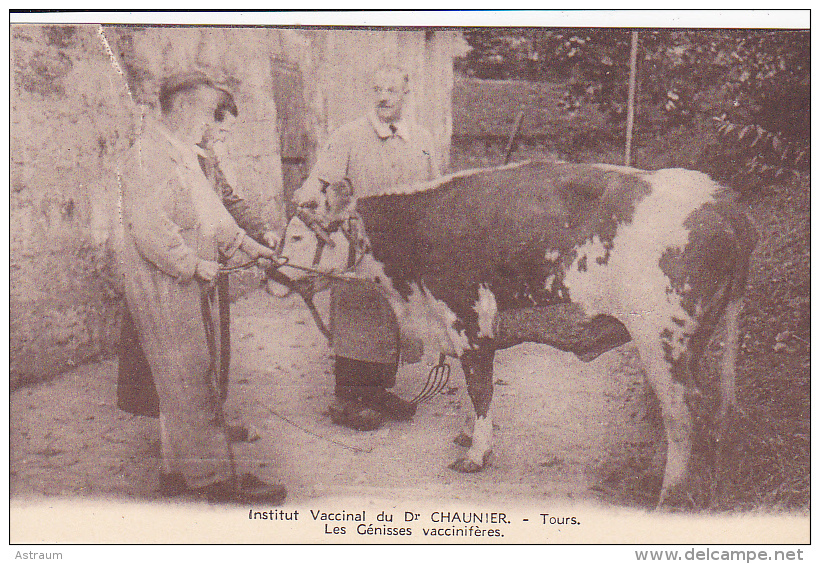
(630, 114)
(516, 126)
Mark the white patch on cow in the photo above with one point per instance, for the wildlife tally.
(549, 282)
(453, 342)
(469, 419)
(420, 316)
(487, 308)
(584, 274)
(552, 255)
(482, 439)
(631, 285)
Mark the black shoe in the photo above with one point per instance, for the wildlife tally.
(241, 433)
(172, 485)
(390, 405)
(249, 490)
(355, 415)
(254, 490)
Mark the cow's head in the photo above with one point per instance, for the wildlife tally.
(326, 202)
(320, 237)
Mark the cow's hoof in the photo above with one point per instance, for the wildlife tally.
(463, 440)
(467, 466)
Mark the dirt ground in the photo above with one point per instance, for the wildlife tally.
(567, 431)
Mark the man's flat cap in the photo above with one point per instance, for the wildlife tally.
(186, 80)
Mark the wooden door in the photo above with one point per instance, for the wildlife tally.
(296, 148)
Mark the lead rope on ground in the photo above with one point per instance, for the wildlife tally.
(309, 432)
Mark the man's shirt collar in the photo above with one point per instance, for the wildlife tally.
(385, 130)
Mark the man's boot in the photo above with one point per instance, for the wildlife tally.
(379, 377)
(248, 489)
(389, 404)
(349, 410)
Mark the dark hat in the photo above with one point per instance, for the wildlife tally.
(180, 82)
(186, 79)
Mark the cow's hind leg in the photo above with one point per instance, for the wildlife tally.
(677, 417)
(478, 371)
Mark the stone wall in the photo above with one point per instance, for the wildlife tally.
(70, 118)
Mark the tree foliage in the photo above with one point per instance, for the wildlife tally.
(754, 85)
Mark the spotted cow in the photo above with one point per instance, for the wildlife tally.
(485, 259)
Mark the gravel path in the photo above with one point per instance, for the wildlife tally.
(566, 430)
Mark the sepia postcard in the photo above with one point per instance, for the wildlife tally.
(408, 278)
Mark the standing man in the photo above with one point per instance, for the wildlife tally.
(379, 150)
(136, 392)
(175, 228)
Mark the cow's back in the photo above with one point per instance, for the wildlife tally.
(515, 228)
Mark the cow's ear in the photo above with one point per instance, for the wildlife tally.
(346, 187)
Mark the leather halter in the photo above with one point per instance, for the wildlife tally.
(354, 235)
(352, 232)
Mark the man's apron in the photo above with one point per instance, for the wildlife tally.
(362, 323)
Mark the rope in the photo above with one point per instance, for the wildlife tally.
(309, 432)
(218, 386)
(306, 295)
(228, 269)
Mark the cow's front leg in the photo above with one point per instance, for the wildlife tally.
(478, 372)
(465, 437)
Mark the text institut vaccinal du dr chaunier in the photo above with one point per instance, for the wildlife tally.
(460, 523)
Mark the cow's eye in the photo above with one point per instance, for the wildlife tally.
(296, 238)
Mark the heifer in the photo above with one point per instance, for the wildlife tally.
(658, 257)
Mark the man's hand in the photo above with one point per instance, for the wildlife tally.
(271, 240)
(206, 270)
(254, 250)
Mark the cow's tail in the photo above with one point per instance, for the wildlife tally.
(745, 241)
(746, 238)
(727, 302)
